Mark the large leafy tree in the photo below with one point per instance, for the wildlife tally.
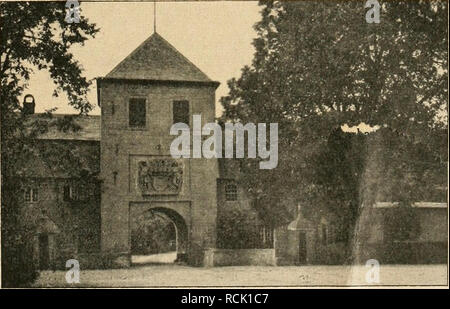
(33, 35)
(319, 66)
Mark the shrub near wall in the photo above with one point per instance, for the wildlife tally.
(236, 231)
(18, 266)
(88, 260)
(239, 257)
(407, 253)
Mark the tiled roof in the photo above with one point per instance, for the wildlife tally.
(157, 59)
(89, 128)
(62, 144)
(300, 224)
(415, 205)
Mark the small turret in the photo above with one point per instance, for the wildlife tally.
(28, 105)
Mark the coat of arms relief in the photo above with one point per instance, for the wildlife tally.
(162, 176)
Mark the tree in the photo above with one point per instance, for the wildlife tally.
(319, 66)
(236, 230)
(33, 35)
(339, 169)
(152, 233)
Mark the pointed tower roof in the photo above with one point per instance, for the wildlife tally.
(156, 59)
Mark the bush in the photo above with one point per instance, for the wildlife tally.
(236, 231)
(19, 269)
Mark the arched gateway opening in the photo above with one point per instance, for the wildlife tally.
(158, 236)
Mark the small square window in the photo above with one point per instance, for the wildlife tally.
(34, 195)
(66, 196)
(231, 192)
(137, 113)
(181, 112)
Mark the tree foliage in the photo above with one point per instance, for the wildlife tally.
(319, 66)
(154, 234)
(401, 223)
(237, 230)
(34, 35)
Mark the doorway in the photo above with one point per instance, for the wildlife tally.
(302, 248)
(44, 253)
(158, 236)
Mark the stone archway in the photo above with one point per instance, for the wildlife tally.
(171, 215)
(181, 231)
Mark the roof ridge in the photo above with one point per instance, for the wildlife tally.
(157, 59)
(63, 114)
(129, 55)
(183, 56)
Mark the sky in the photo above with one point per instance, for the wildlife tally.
(216, 36)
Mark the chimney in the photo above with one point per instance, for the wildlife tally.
(28, 105)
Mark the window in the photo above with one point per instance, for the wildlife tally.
(137, 113)
(331, 234)
(69, 193)
(66, 193)
(181, 112)
(72, 193)
(231, 192)
(265, 237)
(324, 234)
(31, 194)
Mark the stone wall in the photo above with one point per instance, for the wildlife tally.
(239, 257)
(122, 146)
(405, 253)
(286, 246)
(287, 250)
(429, 247)
(71, 226)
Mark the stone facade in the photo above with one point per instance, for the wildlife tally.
(132, 181)
(62, 212)
(121, 151)
(306, 241)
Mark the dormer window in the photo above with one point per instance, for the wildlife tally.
(74, 193)
(31, 195)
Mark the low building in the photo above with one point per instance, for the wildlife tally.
(309, 241)
(61, 206)
(416, 235)
(420, 238)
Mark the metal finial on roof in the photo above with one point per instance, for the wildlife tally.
(154, 16)
(157, 59)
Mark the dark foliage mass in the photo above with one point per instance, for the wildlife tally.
(34, 35)
(320, 67)
(154, 234)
